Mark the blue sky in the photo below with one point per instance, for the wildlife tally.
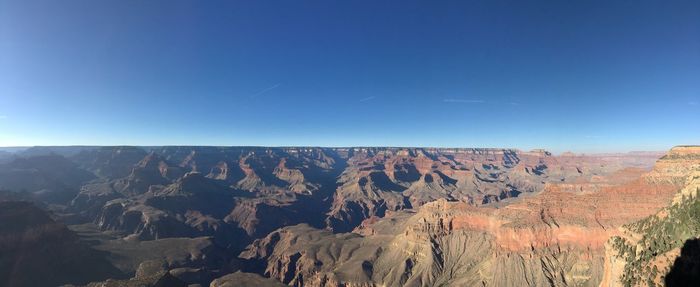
(561, 75)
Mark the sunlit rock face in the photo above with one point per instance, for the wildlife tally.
(676, 164)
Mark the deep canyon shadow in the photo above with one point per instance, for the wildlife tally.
(686, 268)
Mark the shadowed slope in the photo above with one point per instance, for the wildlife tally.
(32, 244)
(686, 268)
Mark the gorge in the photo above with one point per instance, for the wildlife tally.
(360, 216)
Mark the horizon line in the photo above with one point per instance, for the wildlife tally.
(360, 146)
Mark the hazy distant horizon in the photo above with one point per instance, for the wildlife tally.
(553, 151)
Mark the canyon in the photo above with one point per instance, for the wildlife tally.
(358, 216)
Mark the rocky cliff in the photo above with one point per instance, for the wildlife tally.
(644, 252)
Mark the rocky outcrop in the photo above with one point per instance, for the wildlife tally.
(248, 214)
(676, 165)
(304, 256)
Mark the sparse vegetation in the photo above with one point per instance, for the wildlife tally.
(660, 234)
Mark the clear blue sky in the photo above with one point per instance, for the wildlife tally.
(561, 75)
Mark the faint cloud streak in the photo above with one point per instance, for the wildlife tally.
(270, 88)
(2, 117)
(693, 103)
(463, 101)
(367, 99)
